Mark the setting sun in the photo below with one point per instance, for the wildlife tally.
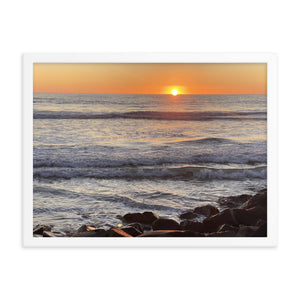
(174, 92)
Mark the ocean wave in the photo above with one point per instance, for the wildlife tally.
(95, 198)
(185, 172)
(209, 140)
(155, 115)
(207, 158)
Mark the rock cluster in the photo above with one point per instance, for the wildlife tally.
(242, 216)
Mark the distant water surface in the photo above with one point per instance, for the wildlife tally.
(100, 156)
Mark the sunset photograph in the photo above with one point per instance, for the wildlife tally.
(155, 150)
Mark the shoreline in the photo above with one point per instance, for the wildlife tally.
(241, 216)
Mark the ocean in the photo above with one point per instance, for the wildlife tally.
(97, 157)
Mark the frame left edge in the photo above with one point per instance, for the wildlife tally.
(27, 159)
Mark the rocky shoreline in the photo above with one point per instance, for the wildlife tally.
(241, 216)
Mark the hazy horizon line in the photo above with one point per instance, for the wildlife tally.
(151, 93)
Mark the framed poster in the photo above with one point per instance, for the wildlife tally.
(150, 150)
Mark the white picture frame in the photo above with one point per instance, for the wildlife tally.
(269, 58)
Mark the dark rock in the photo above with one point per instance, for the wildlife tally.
(234, 201)
(261, 231)
(235, 217)
(68, 233)
(88, 231)
(83, 228)
(117, 232)
(188, 215)
(260, 222)
(137, 226)
(133, 217)
(40, 228)
(222, 234)
(259, 211)
(149, 217)
(165, 224)
(171, 233)
(48, 234)
(206, 210)
(226, 227)
(98, 232)
(147, 227)
(192, 226)
(225, 217)
(131, 230)
(260, 199)
(146, 217)
(248, 216)
(245, 231)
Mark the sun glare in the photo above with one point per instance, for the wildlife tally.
(174, 92)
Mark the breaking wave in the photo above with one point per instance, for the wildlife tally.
(155, 115)
(204, 158)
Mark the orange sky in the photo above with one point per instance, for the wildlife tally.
(150, 78)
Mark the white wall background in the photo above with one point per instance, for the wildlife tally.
(96, 26)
